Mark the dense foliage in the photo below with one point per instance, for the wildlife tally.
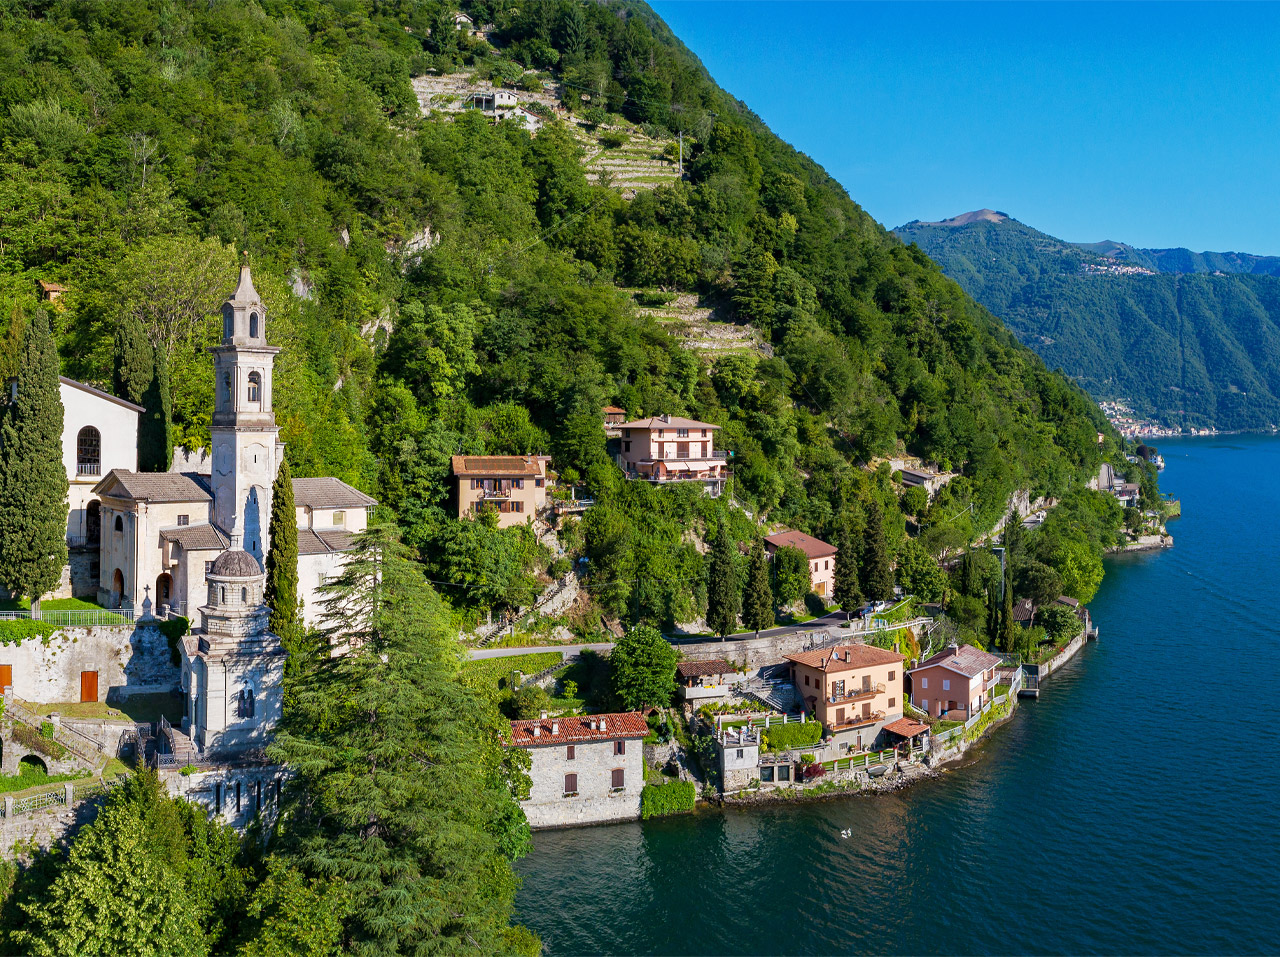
(1196, 346)
(672, 797)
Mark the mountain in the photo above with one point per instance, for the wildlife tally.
(1189, 339)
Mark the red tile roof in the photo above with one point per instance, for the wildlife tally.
(613, 410)
(813, 547)
(671, 422)
(966, 660)
(906, 727)
(695, 669)
(845, 657)
(497, 465)
(573, 728)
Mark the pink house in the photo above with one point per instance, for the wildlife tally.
(822, 558)
(668, 448)
(955, 683)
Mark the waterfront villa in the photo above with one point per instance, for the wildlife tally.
(955, 683)
(585, 769)
(668, 448)
(514, 486)
(821, 555)
(854, 690)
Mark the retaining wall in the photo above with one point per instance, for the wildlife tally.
(129, 660)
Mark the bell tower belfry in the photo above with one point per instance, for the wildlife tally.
(246, 440)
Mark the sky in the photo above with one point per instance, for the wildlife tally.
(1153, 124)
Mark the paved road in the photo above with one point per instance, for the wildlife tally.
(830, 620)
(477, 653)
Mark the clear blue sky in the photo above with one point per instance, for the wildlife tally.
(1152, 124)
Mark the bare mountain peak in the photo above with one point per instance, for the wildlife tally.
(975, 216)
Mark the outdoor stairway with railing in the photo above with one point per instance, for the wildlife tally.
(777, 694)
(87, 750)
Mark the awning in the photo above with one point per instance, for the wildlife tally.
(906, 728)
(676, 466)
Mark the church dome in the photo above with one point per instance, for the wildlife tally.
(235, 563)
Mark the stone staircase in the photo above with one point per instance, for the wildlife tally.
(777, 694)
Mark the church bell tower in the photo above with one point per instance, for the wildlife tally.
(246, 440)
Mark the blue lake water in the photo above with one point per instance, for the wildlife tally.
(1131, 809)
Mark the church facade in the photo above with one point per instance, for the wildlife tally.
(161, 532)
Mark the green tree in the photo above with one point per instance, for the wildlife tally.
(877, 573)
(402, 789)
(1059, 621)
(292, 916)
(1040, 583)
(724, 595)
(33, 480)
(133, 360)
(791, 579)
(282, 566)
(642, 669)
(155, 425)
(1008, 627)
(1080, 566)
(529, 702)
(757, 597)
(846, 590)
(914, 501)
(919, 574)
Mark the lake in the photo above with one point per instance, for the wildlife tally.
(1130, 809)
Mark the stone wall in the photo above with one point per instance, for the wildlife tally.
(754, 653)
(128, 659)
(43, 829)
(234, 794)
(595, 802)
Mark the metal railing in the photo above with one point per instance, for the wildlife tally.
(75, 619)
(856, 693)
(79, 744)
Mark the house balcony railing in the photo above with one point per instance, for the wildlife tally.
(716, 456)
(495, 493)
(857, 694)
(857, 721)
(88, 469)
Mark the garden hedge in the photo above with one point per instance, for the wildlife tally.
(674, 797)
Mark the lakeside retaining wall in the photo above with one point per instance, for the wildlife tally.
(1042, 671)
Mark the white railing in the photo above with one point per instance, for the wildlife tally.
(75, 619)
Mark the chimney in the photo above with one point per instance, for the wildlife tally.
(593, 724)
(537, 730)
(665, 417)
(543, 716)
(602, 728)
(555, 727)
(953, 648)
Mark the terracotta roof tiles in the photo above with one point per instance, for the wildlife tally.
(571, 729)
(813, 547)
(845, 657)
(497, 465)
(697, 669)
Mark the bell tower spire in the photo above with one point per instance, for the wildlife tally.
(246, 440)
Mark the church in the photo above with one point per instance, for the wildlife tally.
(160, 533)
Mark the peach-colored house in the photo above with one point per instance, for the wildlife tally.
(668, 448)
(822, 558)
(955, 683)
(515, 486)
(854, 690)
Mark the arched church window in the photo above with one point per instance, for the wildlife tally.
(228, 321)
(226, 385)
(244, 595)
(223, 599)
(119, 523)
(255, 387)
(245, 705)
(253, 325)
(89, 451)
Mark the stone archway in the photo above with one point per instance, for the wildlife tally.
(35, 762)
(164, 590)
(117, 588)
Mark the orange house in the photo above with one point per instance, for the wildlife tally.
(515, 486)
(668, 448)
(956, 682)
(821, 555)
(854, 690)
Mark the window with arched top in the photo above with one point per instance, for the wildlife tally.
(255, 387)
(228, 321)
(119, 523)
(89, 451)
(226, 386)
(245, 705)
(223, 600)
(253, 325)
(244, 595)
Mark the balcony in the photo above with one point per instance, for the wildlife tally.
(857, 694)
(716, 456)
(856, 721)
(88, 469)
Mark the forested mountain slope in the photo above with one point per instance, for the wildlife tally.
(1192, 339)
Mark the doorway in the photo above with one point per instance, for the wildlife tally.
(88, 686)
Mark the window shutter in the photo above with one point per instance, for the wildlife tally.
(619, 747)
(570, 755)
(619, 777)
(570, 783)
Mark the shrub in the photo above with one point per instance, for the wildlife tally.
(808, 758)
(811, 771)
(19, 630)
(34, 740)
(654, 299)
(613, 140)
(674, 797)
(173, 629)
(784, 737)
(47, 730)
(529, 702)
(560, 567)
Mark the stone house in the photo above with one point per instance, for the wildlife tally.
(956, 683)
(821, 555)
(739, 750)
(702, 680)
(514, 486)
(668, 448)
(854, 690)
(586, 769)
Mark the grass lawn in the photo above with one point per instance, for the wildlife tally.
(999, 690)
(493, 670)
(947, 725)
(141, 708)
(32, 775)
(52, 604)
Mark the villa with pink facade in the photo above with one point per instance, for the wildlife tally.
(668, 448)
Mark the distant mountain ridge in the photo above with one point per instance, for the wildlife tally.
(1191, 339)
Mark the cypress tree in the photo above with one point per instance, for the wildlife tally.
(723, 596)
(1008, 630)
(282, 562)
(155, 428)
(33, 480)
(877, 574)
(133, 360)
(757, 598)
(993, 616)
(845, 590)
